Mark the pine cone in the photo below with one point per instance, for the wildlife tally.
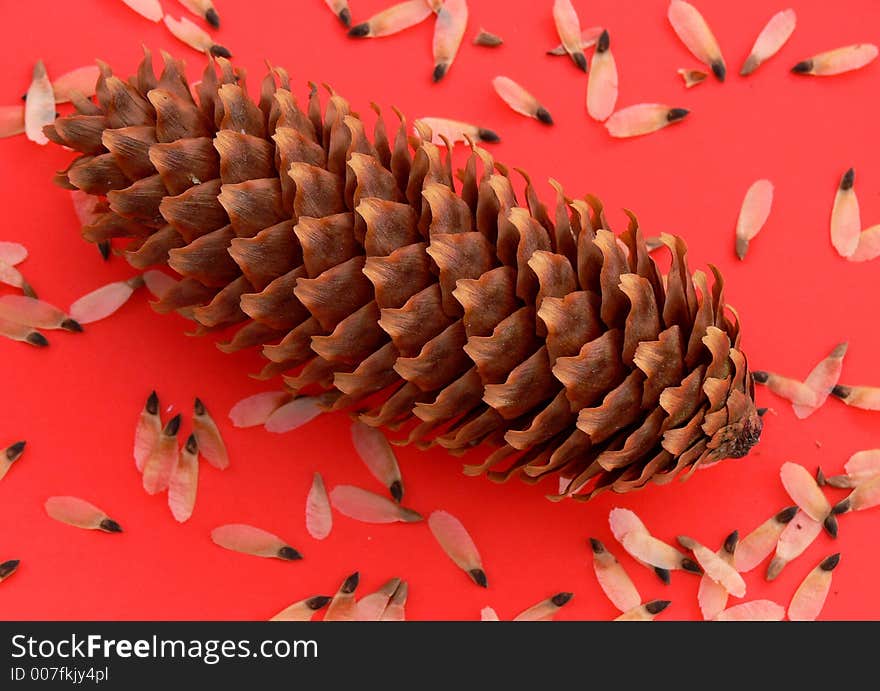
(456, 317)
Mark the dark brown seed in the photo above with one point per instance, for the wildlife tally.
(676, 114)
(830, 524)
(351, 583)
(289, 553)
(172, 427)
(108, 525)
(848, 179)
(104, 248)
(596, 546)
(821, 480)
(830, 563)
(691, 566)
(841, 507)
(719, 70)
(657, 606)
(479, 577)
(731, 541)
(8, 567)
(803, 67)
(212, 18)
(14, 452)
(760, 376)
(786, 515)
(71, 325)
(317, 602)
(561, 599)
(663, 574)
(439, 72)
(219, 51)
(396, 490)
(580, 60)
(153, 404)
(359, 30)
(544, 116)
(37, 339)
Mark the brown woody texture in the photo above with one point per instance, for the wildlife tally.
(455, 316)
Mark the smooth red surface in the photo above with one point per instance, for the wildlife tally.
(76, 403)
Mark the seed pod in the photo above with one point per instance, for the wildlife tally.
(861, 467)
(29, 311)
(521, 100)
(760, 543)
(448, 31)
(643, 118)
(319, 519)
(809, 598)
(80, 514)
(365, 506)
(613, 579)
(101, 303)
(39, 109)
(371, 607)
(846, 223)
(396, 18)
(799, 534)
(377, 454)
(602, 81)
(460, 315)
(713, 592)
(184, 482)
(588, 39)
(147, 432)
(240, 537)
(753, 214)
(770, 41)
(694, 32)
(210, 443)
(160, 464)
(396, 609)
(837, 61)
(568, 27)
(458, 545)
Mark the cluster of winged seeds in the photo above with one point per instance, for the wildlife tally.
(457, 317)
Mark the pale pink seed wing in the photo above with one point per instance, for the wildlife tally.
(797, 536)
(146, 435)
(602, 82)
(12, 252)
(256, 410)
(82, 80)
(868, 247)
(101, 303)
(649, 549)
(757, 545)
(791, 389)
(719, 570)
(459, 546)
(694, 32)
(642, 118)
(844, 59)
(184, 483)
(75, 511)
(822, 380)
(375, 451)
(809, 598)
(753, 214)
(30, 311)
(449, 29)
(771, 39)
(398, 17)
(11, 276)
(368, 507)
(396, 609)
(150, 9)
(297, 413)
(189, 33)
(863, 465)
(589, 37)
(85, 205)
(624, 521)
(211, 444)
(488, 614)
(158, 283)
(712, 597)
(371, 607)
(756, 610)
(568, 26)
(319, 519)
(160, 464)
(846, 221)
(39, 109)
(452, 130)
(866, 495)
(514, 95)
(615, 582)
(803, 490)
(11, 121)
(240, 537)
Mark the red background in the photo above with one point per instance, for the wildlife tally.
(76, 402)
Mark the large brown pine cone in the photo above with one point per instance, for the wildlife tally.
(458, 317)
